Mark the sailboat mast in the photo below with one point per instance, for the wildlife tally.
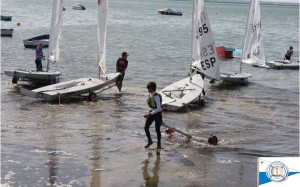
(101, 33)
(55, 32)
(47, 69)
(192, 39)
(245, 35)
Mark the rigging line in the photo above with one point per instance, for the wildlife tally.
(265, 73)
(189, 110)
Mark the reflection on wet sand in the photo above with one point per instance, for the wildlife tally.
(52, 147)
(96, 158)
(151, 181)
(53, 167)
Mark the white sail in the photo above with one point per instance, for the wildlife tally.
(55, 31)
(253, 51)
(102, 20)
(204, 52)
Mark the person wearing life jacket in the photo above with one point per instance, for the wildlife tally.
(288, 54)
(121, 66)
(154, 101)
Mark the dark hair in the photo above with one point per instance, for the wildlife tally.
(151, 85)
(124, 54)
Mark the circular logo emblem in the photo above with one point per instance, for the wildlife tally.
(277, 171)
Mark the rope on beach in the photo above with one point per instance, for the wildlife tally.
(190, 111)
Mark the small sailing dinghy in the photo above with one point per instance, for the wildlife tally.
(181, 93)
(83, 85)
(7, 32)
(47, 76)
(253, 50)
(33, 42)
(204, 53)
(283, 64)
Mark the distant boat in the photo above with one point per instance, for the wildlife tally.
(33, 42)
(170, 11)
(228, 52)
(45, 77)
(7, 32)
(6, 18)
(78, 6)
(283, 64)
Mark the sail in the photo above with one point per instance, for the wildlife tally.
(253, 51)
(55, 31)
(102, 19)
(204, 52)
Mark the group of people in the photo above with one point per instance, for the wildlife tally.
(154, 101)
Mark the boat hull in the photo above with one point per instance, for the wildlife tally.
(34, 76)
(7, 32)
(226, 52)
(240, 78)
(283, 64)
(169, 12)
(181, 93)
(33, 42)
(6, 18)
(75, 87)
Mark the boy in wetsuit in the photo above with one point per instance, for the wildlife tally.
(288, 54)
(155, 114)
(121, 66)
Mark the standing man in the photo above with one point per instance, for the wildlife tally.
(155, 114)
(121, 66)
(39, 56)
(288, 54)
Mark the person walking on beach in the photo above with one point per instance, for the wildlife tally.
(288, 54)
(39, 56)
(155, 114)
(121, 67)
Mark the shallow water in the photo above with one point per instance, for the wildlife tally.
(79, 143)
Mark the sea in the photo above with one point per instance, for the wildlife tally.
(81, 143)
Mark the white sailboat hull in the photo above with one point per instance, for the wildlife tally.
(179, 94)
(75, 87)
(235, 77)
(34, 76)
(283, 64)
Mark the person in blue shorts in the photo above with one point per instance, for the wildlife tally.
(39, 56)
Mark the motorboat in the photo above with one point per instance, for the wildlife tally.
(7, 32)
(6, 18)
(78, 6)
(228, 52)
(33, 42)
(170, 11)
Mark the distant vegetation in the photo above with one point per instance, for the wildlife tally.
(247, 1)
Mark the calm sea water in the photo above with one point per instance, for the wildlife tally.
(79, 143)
